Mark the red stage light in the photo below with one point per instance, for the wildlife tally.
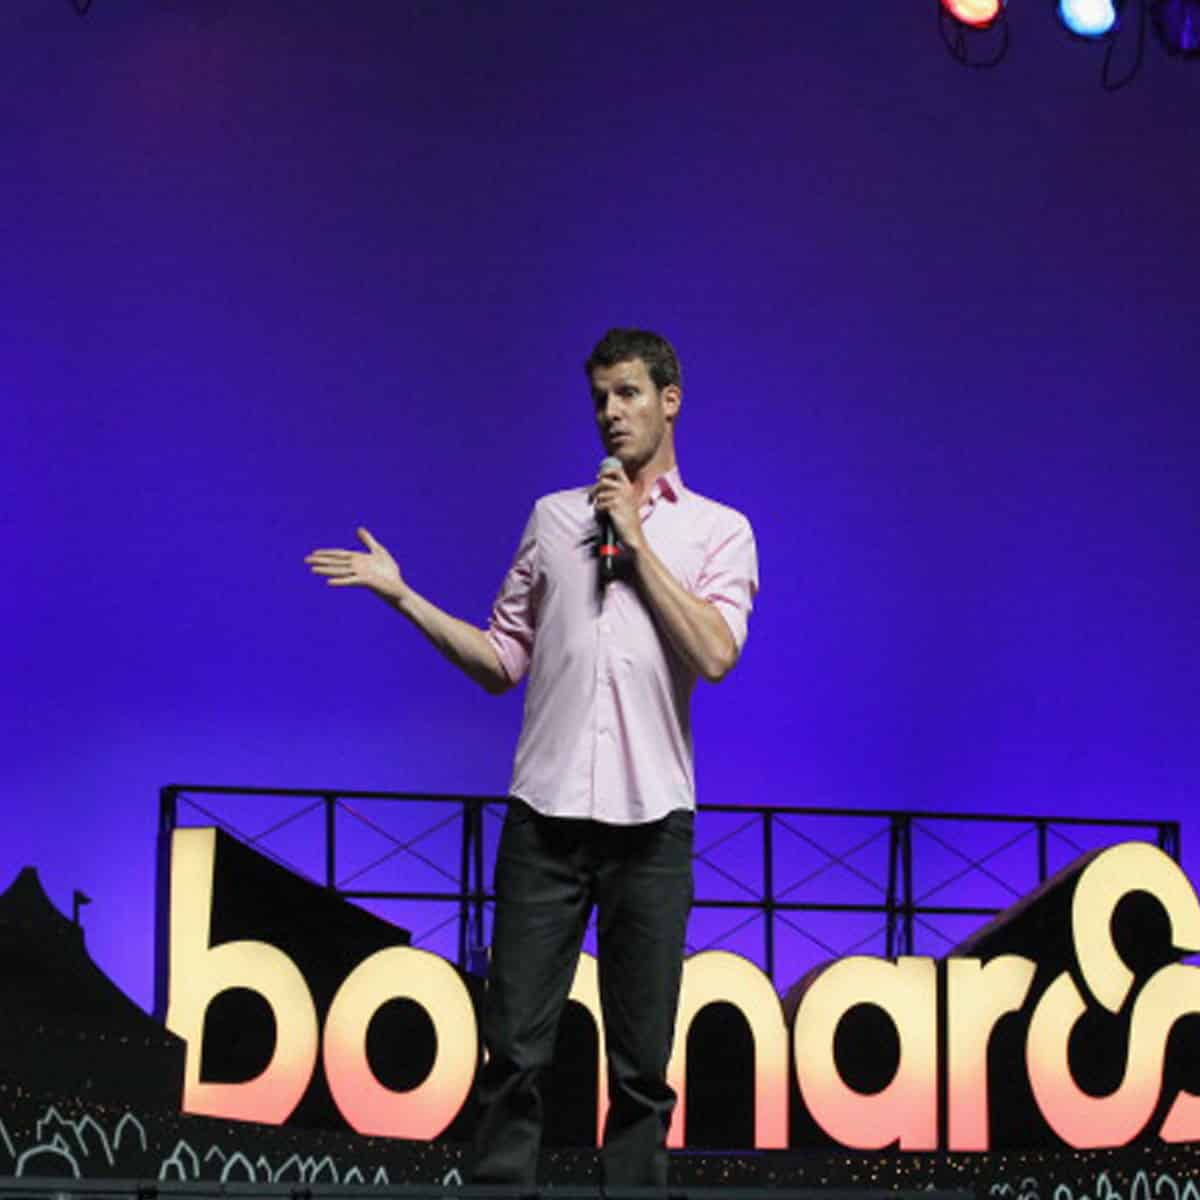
(978, 14)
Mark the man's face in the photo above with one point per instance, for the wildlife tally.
(633, 415)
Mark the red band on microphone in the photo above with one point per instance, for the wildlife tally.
(609, 551)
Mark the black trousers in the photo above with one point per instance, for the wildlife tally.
(550, 872)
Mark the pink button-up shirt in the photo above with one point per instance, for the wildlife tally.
(607, 732)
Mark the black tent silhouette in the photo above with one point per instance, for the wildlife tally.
(65, 1027)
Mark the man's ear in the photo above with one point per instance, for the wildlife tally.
(672, 398)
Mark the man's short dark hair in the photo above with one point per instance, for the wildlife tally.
(624, 345)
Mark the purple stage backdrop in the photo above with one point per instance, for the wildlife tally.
(273, 269)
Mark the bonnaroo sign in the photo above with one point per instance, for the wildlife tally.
(1056, 987)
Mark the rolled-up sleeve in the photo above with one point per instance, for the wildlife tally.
(729, 577)
(511, 625)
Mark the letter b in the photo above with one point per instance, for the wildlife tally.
(198, 972)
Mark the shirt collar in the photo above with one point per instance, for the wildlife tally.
(668, 485)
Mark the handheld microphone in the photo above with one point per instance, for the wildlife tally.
(609, 548)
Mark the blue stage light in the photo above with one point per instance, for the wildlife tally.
(1088, 18)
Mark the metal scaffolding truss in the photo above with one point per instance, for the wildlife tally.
(785, 886)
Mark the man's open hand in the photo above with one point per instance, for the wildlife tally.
(375, 569)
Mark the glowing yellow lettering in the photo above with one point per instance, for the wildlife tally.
(430, 981)
(716, 975)
(906, 1110)
(978, 995)
(585, 990)
(903, 1113)
(1082, 1120)
(1106, 881)
(199, 972)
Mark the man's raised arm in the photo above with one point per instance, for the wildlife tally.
(466, 646)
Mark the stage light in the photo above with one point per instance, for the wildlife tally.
(975, 32)
(1178, 25)
(1088, 18)
(977, 14)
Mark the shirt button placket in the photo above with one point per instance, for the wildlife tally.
(603, 710)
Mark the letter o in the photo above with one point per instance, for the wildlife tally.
(401, 972)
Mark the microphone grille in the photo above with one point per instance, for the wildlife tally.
(611, 463)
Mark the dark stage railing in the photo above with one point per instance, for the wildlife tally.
(904, 872)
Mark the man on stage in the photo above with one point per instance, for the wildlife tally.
(620, 595)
